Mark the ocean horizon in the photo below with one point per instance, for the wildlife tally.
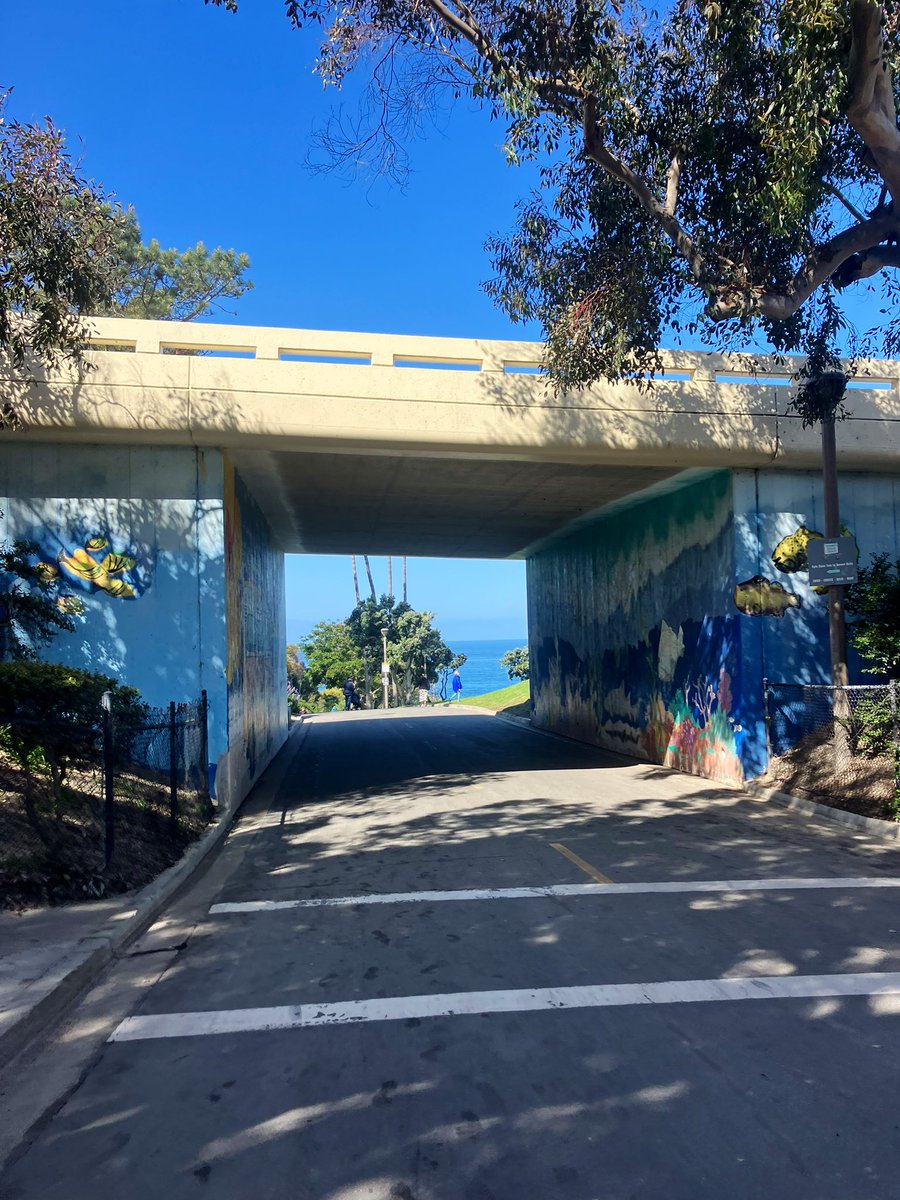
(481, 671)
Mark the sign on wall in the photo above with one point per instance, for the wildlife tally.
(832, 561)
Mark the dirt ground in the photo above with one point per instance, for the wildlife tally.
(68, 863)
(854, 783)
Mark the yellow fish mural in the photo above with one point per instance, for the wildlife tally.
(761, 597)
(792, 554)
(85, 567)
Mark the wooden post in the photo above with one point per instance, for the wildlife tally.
(837, 629)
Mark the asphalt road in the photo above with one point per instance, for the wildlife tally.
(620, 983)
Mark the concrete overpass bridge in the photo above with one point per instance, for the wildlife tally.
(205, 452)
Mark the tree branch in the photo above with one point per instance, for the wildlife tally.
(838, 195)
(822, 263)
(871, 110)
(599, 153)
(672, 179)
(862, 266)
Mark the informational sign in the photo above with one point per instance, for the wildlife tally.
(832, 561)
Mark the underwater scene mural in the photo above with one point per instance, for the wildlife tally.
(254, 607)
(634, 635)
(106, 574)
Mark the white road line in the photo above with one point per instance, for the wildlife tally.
(562, 889)
(457, 1004)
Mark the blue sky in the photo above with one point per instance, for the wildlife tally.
(202, 121)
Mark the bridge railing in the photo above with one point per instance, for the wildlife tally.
(333, 348)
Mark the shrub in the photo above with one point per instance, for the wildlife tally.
(516, 663)
(52, 718)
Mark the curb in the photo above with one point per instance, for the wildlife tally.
(77, 970)
(889, 830)
(809, 808)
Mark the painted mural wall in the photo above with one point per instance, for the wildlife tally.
(255, 670)
(634, 636)
(651, 631)
(136, 540)
(775, 514)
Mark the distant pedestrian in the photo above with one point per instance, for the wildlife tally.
(457, 686)
(423, 691)
(350, 695)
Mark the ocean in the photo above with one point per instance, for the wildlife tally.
(481, 671)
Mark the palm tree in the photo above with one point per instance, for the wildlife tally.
(355, 578)
(390, 577)
(404, 580)
(371, 580)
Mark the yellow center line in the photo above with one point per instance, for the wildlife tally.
(579, 862)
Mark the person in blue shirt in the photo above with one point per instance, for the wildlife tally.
(457, 686)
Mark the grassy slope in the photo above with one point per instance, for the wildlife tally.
(514, 699)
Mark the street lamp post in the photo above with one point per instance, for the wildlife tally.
(385, 665)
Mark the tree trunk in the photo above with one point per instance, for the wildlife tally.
(405, 601)
(369, 573)
(837, 631)
(355, 578)
(390, 577)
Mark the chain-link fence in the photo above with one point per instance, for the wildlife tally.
(838, 743)
(87, 810)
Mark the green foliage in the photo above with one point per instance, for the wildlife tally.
(296, 669)
(32, 609)
(872, 726)
(516, 663)
(331, 655)
(51, 718)
(875, 602)
(708, 170)
(57, 236)
(67, 251)
(153, 283)
(414, 646)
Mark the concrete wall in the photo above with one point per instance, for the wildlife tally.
(165, 632)
(771, 506)
(200, 606)
(651, 631)
(256, 669)
(633, 636)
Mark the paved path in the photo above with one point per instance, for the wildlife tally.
(458, 960)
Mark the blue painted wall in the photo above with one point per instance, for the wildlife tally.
(160, 506)
(633, 633)
(651, 634)
(202, 606)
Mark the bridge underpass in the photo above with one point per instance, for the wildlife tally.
(444, 958)
(649, 517)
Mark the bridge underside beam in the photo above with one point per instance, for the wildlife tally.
(429, 507)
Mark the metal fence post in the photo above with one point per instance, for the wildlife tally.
(204, 744)
(895, 738)
(173, 764)
(109, 783)
(766, 720)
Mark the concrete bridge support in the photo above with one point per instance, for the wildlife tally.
(651, 629)
(202, 606)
